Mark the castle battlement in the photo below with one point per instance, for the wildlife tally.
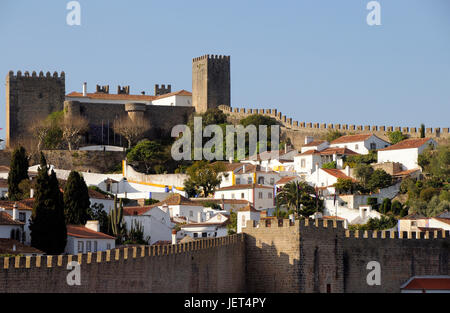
(271, 224)
(296, 125)
(34, 75)
(117, 255)
(212, 57)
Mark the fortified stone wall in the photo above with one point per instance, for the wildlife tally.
(320, 256)
(203, 266)
(297, 131)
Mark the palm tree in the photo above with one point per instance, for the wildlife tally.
(299, 196)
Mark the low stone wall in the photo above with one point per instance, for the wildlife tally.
(203, 266)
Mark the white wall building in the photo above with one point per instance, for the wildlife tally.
(405, 152)
(261, 197)
(246, 214)
(361, 144)
(88, 238)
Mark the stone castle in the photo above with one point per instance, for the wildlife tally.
(31, 97)
(274, 256)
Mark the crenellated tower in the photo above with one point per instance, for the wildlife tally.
(210, 82)
(30, 98)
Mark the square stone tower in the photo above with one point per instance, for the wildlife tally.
(30, 98)
(210, 82)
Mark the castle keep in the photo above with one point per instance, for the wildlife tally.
(30, 98)
(274, 256)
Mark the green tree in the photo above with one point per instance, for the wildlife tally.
(47, 226)
(301, 197)
(396, 137)
(76, 200)
(330, 165)
(363, 172)
(97, 213)
(386, 206)
(17, 173)
(147, 153)
(332, 135)
(232, 225)
(379, 179)
(346, 185)
(422, 130)
(203, 177)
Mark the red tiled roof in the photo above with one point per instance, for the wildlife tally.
(424, 229)
(341, 151)
(407, 144)
(83, 232)
(336, 173)
(428, 283)
(3, 183)
(333, 218)
(229, 167)
(107, 96)
(247, 186)
(94, 194)
(4, 169)
(309, 152)
(414, 216)
(219, 201)
(176, 93)
(404, 173)
(7, 247)
(248, 208)
(137, 210)
(352, 138)
(6, 219)
(285, 180)
(443, 220)
(314, 143)
(252, 168)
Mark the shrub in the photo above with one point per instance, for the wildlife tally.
(330, 165)
(428, 193)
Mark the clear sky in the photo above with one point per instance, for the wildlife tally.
(313, 60)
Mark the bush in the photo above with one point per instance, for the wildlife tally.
(379, 179)
(396, 137)
(373, 202)
(428, 193)
(386, 206)
(330, 165)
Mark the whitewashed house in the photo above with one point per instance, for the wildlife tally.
(311, 144)
(245, 214)
(179, 98)
(178, 206)
(405, 152)
(87, 238)
(260, 196)
(212, 228)
(156, 223)
(99, 198)
(10, 226)
(20, 211)
(361, 144)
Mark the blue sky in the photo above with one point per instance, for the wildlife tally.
(313, 60)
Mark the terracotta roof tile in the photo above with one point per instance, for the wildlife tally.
(352, 138)
(107, 96)
(248, 208)
(7, 247)
(137, 210)
(176, 93)
(83, 232)
(246, 186)
(340, 151)
(6, 219)
(285, 180)
(407, 144)
(336, 173)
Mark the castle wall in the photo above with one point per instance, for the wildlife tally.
(320, 256)
(29, 98)
(204, 266)
(297, 131)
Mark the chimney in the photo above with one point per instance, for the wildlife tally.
(243, 169)
(15, 212)
(84, 89)
(93, 225)
(174, 236)
(143, 93)
(308, 139)
(31, 193)
(347, 170)
(231, 160)
(199, 217)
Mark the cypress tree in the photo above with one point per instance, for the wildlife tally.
(76, 200)
(48, 228)
(18, 172)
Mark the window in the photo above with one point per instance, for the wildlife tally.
(232, 196)
(303, 163)
(242, 195)
(108, 187)
(80, 246)
(204, 235)
(249, 180)
(356, 147)
(108, 246)
(95, 246)
(22, 216)
(195, 235)
(215, 234)
(272, 181)
(261, 180)
(88, 246)
(413, 223)
(260, 195)
(269, 195)
(238, 181)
